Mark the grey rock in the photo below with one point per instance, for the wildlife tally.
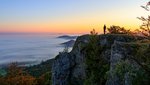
(69, 68)
(62, 66)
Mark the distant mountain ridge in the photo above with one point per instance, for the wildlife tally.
(69, 43)
(67, 37)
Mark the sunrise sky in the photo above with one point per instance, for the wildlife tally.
(68, 16)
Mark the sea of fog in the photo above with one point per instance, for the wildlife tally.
(29, 48)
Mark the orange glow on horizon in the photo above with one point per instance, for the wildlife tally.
(81, 25)
(71, 16)
(65, 28)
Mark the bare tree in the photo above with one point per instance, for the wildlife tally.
(66, 49)
(145, 27)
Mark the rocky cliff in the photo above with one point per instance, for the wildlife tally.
(70, 68)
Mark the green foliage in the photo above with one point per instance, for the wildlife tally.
(45, 79)
(16, 76)
(118, 30)
(96, 64)
(123, 68)
(141, 57)
(42, 72)
(34, 75)
(140, 78)
(137, 76)
(40, 69)
(2, 72)
(139, 71)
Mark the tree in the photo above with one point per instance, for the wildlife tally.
(145, 27)
(93, 32)
(66, 49)
(142, 58)
(118, 30)
(95, 63)
(16, 76)
(45, 79)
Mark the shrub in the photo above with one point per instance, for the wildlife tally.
(118, 30)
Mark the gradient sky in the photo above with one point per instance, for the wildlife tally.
(68, 16)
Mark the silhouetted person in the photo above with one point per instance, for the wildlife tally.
(104, 28)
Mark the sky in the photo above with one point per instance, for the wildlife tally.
(69, 16)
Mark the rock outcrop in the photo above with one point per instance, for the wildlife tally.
(69, 68)
(62, 67)
(118, 53)
(125, 52)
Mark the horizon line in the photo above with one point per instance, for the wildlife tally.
(40, 33)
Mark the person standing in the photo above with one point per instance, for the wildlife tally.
(104, 28)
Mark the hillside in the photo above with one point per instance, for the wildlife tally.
(40, 69)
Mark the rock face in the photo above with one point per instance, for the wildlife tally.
(118, 53)
(122, 51)
(69, 68)
(62, 67)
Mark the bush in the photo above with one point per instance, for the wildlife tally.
(118, 30)
(136, 76)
